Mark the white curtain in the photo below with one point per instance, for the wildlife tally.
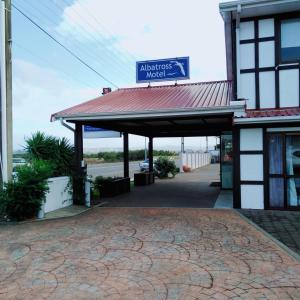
(292, 192)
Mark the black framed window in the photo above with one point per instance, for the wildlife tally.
(290, 40)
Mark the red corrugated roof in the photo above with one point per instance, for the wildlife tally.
(156, 98)
(272, 112)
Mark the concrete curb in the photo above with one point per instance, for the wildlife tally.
(289, 251)
(50, 219)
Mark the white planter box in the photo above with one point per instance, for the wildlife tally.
(58, 195)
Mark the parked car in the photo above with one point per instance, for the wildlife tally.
(144, 166)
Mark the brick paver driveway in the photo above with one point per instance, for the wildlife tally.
(145, 253)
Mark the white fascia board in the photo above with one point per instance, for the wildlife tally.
(156, 114)
(232, 5)
(267, 120)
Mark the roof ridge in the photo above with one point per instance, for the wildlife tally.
(173, 85)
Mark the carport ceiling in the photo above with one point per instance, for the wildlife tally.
(168, 126)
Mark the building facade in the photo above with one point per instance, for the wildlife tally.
(263, 62)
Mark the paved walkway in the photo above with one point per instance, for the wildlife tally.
(283, 225)
(69, 211)
(185, 190)
(145, 253)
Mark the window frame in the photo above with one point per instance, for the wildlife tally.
(280, 19)
(283, 175)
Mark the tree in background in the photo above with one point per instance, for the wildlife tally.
(134, 155)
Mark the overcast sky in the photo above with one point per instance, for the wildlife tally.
(110, 36)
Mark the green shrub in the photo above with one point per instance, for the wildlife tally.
(164, 166)
(100, 180)
(22, 197)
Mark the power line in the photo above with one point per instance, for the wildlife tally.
(94, 57)
(97, 21)
(63, 46)
(110, 52)
(48, 62)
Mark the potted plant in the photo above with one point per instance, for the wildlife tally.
(143, 178)
(111, 186)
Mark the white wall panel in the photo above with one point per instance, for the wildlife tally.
(247, 55)
(246, 30)
(58, 195)
(289, 88)
(267, 89)
(266, 54)
(251, 139)
(251, 167)
(266, 28)
(247, 89)
(252, 196)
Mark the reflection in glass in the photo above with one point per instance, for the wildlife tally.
(290, 40)
(293, 155)
(275, 154)
(226, 161)
(293, 191)
(276, 192)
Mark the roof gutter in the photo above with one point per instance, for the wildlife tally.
(237, 110)
(267, 120)
(66, 125)
(231, 6)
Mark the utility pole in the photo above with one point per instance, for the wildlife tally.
(9, 122)
(145, 148)
(182, 145)
(6, 91)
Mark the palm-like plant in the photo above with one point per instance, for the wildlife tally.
(59, 152)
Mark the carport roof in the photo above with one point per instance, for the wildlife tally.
(166, 98)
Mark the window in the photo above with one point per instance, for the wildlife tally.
(290, 40)
(284, 170)
(293, 169)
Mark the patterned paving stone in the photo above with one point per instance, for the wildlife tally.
(145, 253)
(283, 225)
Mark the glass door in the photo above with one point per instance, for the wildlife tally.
(293, 170)
(284, 170)
(276, 171)
(226, 161)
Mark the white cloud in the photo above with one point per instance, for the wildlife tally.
(155, 29)
(148, 30)
(37, 93)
